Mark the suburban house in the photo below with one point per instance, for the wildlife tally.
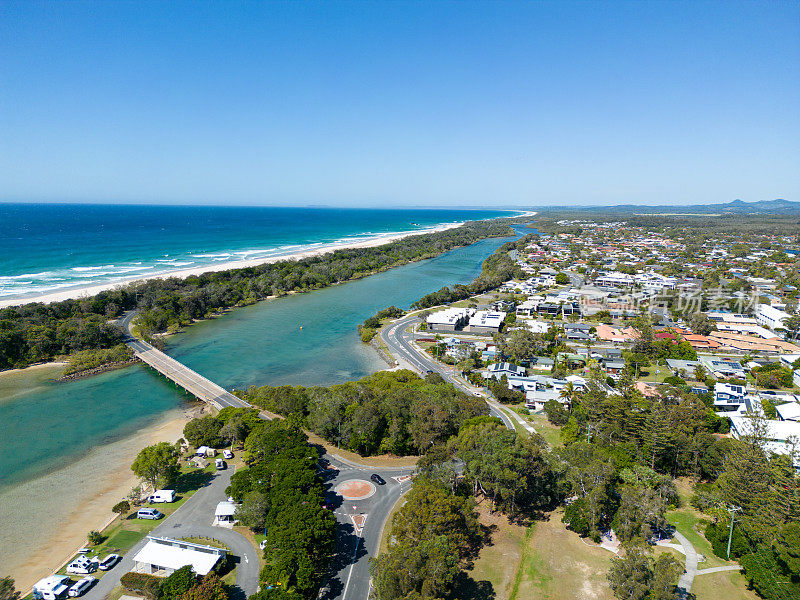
(614, 334)
(163, 556)
(497, 370)
(790, 411)
(749, 343)
(731, 398)
(614, 368)
(718, 367)
(782, 436)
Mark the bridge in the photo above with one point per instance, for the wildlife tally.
(194, 383)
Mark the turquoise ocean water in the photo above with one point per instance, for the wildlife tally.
(51, 247)
(54, 424)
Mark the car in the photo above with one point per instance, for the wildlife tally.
(227, 454)
(220, 464)
(377, 479)
(109, 562)
(82, 586)
(83, 565)
(149, 513)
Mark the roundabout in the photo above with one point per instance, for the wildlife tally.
(355, 489)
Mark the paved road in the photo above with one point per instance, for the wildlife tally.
(194, 519)
(686, 580)
(400, 343)
(350, 579)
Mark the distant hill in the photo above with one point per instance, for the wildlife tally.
(736, 207)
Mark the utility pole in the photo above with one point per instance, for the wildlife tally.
(732, 510)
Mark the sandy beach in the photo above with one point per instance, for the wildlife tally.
(46, 519)
(86, 291)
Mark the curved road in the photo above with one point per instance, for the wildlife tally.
(194, 519)
(399, 342)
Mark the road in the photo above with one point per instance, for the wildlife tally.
(400, 343)
(350, 578)
(192, 519)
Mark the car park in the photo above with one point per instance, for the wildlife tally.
(109, 562)
(82, 586)
(377, 479)
(83, 565)
(227, 454)
(149, 513)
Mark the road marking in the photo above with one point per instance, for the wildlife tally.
(352, 562)
(246, 559)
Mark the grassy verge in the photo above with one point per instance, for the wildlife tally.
(382, 460)
(550, 433)
(126, 531)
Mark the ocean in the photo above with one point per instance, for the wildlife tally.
(49, 247)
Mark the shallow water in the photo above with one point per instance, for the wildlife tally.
(54, 424)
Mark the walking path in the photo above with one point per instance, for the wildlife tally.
(686, 580)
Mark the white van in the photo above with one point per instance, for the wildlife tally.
(162, 496)
(220, 464)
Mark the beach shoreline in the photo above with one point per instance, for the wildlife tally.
(35, 546)
(85, 291)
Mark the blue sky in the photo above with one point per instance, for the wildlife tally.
(400, 103)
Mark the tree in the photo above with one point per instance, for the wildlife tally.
(121, 507)
(157, 465)
(210, 588)
(178, 583)
(666, 571)
(94, 537)
(254, 510)
(556, 413)
(8, 590)
(234, 430)
(204, 431)
(630, 577)
(562, 279)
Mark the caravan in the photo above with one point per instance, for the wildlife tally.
(162, 496)
(54, 587)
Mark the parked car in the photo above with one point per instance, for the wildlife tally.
(227, 454)
(377, 479)
(221, 464)
(83, 565)
(82, 586)
(149, 513)
(109, 562)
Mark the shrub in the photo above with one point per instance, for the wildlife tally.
(141, 583)
(95, 537)
(178, 583)
(121, 507)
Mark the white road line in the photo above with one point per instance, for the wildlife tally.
(352, 562)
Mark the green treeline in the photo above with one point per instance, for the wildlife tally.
(386, 413)
(89, 359)
(436, 532)
(38, 332)
(280, 492)
(496, 270)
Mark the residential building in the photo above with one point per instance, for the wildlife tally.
(771, 317)
(449, 319)
(485, 321)
(497, 370)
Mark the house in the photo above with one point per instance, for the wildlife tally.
(781, 436)
(536, 399)
(771, 317)
(527, 308)
(788, 412)
(54, 587)
(449, 319)
(749, 343)
(615, 334)
(506, 306)
(577, 336)
(163, 556)
(614, 368)
(225, 514)
(485, 321)
(722, 368)
(731, 398)
(701, 342)
(497, 370)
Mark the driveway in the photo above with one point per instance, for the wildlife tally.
(194, 519)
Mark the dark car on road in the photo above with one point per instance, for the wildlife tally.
(377, 479)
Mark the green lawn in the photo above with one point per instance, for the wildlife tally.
(550, 433)
(125, 532)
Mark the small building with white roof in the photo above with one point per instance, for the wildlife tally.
(163, 556)
(485, 321)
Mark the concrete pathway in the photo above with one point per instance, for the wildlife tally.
(719, 569)
(686, 580)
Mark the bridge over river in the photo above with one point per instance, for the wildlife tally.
(194, 383)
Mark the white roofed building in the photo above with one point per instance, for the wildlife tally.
(485, 321)
(163, 556)
(449, 319)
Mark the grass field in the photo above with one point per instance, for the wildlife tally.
(550, 433)
(543, 561)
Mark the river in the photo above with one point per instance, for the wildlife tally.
(55, 434)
